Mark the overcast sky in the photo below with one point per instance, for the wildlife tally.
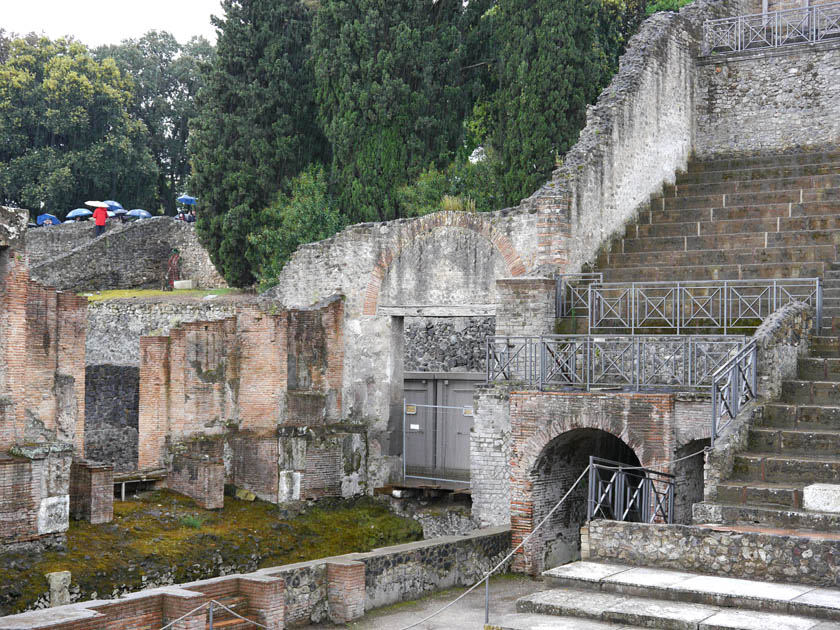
(97, 22)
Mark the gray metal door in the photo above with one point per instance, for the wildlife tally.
(438, 420)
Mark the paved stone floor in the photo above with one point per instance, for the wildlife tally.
(466, 614)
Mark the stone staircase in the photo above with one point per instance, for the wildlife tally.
(773, 216)
(603, 596)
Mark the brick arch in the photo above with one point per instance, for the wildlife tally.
(439, 220)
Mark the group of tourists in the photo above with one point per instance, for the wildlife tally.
(189, 217)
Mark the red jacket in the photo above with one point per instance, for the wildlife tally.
(100, 215)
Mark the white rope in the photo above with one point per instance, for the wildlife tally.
(220, 605)
(534, 531)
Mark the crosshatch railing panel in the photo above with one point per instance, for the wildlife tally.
(689, 307)
(773, 29)
(734, 384)
(626, 493)
(639, 362)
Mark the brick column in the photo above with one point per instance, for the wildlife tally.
(91, 491)
(266, 599)
(345, 590)
(525, 307)
(154, 393)
(175, 606)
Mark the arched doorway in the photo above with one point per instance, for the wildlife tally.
(557, 467)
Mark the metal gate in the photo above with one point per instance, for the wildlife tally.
(437, 419)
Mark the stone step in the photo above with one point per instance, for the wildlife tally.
(759, 161)
(800, 392)
(715, 272)
(761, 494)
(656, 215)
(794, 441)
(825, 346)
(736, 226)
(663, 586)
(683, 189)
(782, 468)
(739, 240)
(729, 256)
(819, 368)
(778, 518)
(758, 173)
(797, 195)
(800, 417)
(534, 621)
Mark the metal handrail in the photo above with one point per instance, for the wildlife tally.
(772, 29)
(635, 362)
(733, 386)
(695, 305)
(570, 294)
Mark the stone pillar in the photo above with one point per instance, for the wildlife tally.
(525, 307)
(345, 590)
(91, 491)
(59, 582)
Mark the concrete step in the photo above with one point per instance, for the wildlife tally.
(664, 588)
(730, 187)
(797, 195)
(783, 468)
(760, 494)
(714, 272)
(534, 621)
(801, 392)
(825, 346)
(729, 256)
(800, 417)
(760, 161)
(757, 173)
(787, 519)
(734, 213)
(735, 226)
(794, 441)
(741, 240)
(819, 368)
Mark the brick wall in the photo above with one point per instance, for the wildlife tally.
(91, 491)
(345, 590)
(526, 307)
(254, 465)
(19, 499)
(197, 470)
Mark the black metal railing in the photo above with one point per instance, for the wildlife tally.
(629, 493)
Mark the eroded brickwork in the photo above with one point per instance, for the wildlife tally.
(91, 491)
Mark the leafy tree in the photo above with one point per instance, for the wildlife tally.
(67, 135)
(665, 5)
(256, 128)
(166, 78)
(304, 216)
(388, 85)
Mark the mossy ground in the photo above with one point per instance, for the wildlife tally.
(118, 294)
(166, 532)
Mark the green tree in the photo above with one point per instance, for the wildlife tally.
(549, 68)
(66, 132)
(256, 128)
(389, 90)
(167, 78)
(303, 216)
(665, 5)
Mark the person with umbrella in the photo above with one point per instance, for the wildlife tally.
(100, 216)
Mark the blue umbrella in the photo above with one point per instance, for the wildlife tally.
(139, 213)
(112, 205)
(187, 200)
(43, 218)
(79, 212)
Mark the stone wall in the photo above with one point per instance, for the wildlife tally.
(769, 100)
(750, 555)
(128, 255)
(295, 594)
(447, 344)
(112, 395)
(490, 456)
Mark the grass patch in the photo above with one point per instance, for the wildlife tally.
(119, 294)
(164, 532)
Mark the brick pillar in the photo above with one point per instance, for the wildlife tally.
(153, 418)
(175, 606)
(266, 599)
(345, 590)
(525, 307)
(71, 333)
(91, 491)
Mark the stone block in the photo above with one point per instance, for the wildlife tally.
(822, 497)
(245, 495)
(59, 582)
(184, 284)
(289, 486)
(54, 515)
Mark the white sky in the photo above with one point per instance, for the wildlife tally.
(97, 22)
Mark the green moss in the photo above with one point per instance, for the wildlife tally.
(164, 531)
(118, 294)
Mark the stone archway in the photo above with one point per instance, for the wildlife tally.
(422, 227)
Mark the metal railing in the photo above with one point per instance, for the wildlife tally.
(733, 386)
(632, 362)
(696, 306)
(571, 297)
(772, 29)
(621, 493)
